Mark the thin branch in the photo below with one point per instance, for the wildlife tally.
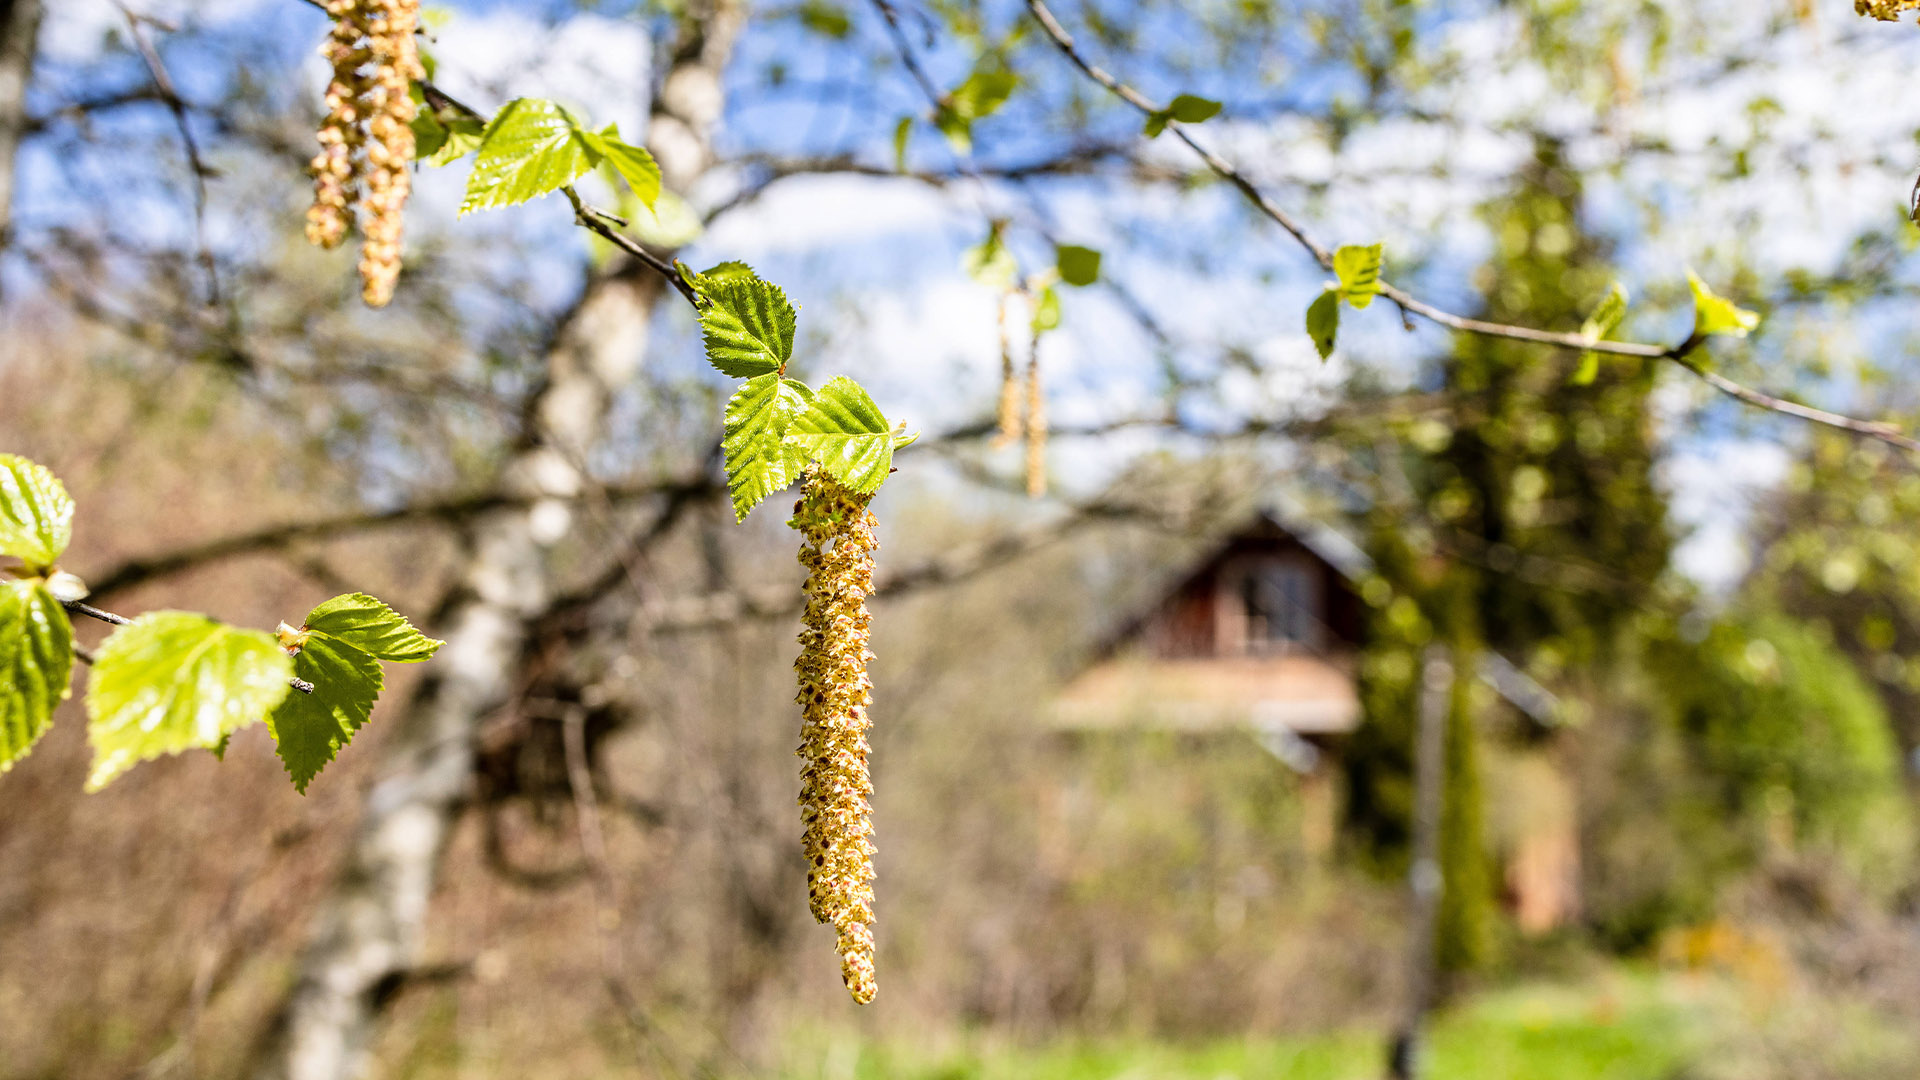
(140, 570)
(75, 607)
(163, 84)
(1679, 354)
(602, 224)
(905, 49)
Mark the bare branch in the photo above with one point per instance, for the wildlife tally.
(1678, 354)
(444, 512)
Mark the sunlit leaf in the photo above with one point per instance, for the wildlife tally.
(902, 132)
(459, 136)
(36, 660)
(1186, 108)
(1358, 269)
(309, 730)
(747, 324)
(759, 459)
(844, 431)
(631, 162)
(1078, 265)
(670, 223)
(990, 263)
(1599, 326)
(530, 148)
(1323, 321)
(826, 18)
(36, 515)
(338, 650)
(1714, 314)
(172, 681)
(369, 624)
(1046, 311)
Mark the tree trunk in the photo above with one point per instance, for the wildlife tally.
(369, 931)
(1424, 879)
(19, 27)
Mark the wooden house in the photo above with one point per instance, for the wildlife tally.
(1262, 635)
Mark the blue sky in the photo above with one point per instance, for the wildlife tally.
(874, 261)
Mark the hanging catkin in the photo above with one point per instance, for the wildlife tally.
(1887, 10)
(837, 545)
(336, 168)
(1009, 410)
(366, 139)
(1036, 424)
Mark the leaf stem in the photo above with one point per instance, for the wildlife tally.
(75, 607)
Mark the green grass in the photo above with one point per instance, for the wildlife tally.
(1639, 1029)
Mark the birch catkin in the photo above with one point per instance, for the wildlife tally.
(336, 168)
(1887, 10)
(837, 545)
(366, 139)
(1036, 426)
(1008, 413)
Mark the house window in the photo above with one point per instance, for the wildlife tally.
(1282, 606)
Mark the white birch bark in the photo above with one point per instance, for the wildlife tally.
(369, 931)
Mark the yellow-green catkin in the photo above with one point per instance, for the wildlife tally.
(837, 545)
(1008, 414)
(1885, 10)
(336, 168)
(366, 139)
(1036, 426)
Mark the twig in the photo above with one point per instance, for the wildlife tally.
(905, 49)
(141, 570)
(599, 222)
(75, 607)
(1679, 354)
(163, 83)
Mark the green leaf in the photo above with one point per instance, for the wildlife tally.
(36, 515)
(990, 262)
(1078, 265)
(1191, 109)
(1713, 314)
(669, 223)
(731, 270)
(826, 18)
(747, 324)
(901, 133)
(461, 136)
(958, 130)
(844, 431)
(759, 459)
(982, 94)
(173, 680)
(1046, 311)
(36, 660)
(631, 162)
(339, 651)
(370, 625)
(1359, 271)
(309, 730)
(429, 134)
(1323, 321)
(1599, 326)
(1187, 109)
(530, 148)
